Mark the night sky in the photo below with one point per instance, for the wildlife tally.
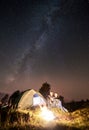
(45, 40)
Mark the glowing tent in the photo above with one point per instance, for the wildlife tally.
(30, 98)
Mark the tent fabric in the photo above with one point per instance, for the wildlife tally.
(37, 100)
(28, 99)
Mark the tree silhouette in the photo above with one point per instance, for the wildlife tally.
(45, 90)
(4, 100)
(13, 98)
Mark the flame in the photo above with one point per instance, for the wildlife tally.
(46, 114)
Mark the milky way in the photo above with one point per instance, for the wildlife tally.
(45, 41)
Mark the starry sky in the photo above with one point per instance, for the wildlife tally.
(45, 41)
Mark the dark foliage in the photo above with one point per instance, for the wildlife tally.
(4, 100)
(13, 98)
(75, 105)
(45, 90)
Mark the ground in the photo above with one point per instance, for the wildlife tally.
(31, 120)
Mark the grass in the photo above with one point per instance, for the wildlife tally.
(77, 120)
